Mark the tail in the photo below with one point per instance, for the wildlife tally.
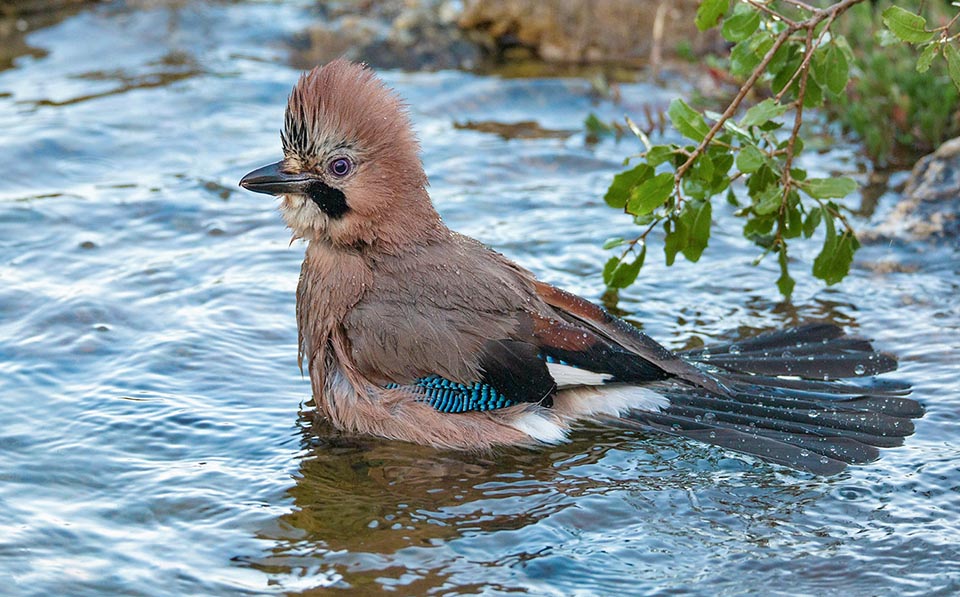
(804, 397)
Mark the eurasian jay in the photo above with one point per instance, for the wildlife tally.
(413, 332)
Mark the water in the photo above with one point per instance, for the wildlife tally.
(151, 441)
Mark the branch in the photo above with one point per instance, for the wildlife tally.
(818, 16)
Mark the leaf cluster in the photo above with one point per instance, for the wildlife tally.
(789, 51)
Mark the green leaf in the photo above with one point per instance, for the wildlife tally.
(768, 201)
(757, 227)
(813, 97)
(659, 154)
(926, 57)
(826, 188)
(709, 13)
(732, 198)
(811, 223)
(785, 283)
(619, 191)
(626, 273)
(609, 268)
(615, 241)
(749, 159)
(836, 71)
(674, 240)
(907, 26)
(793, 223)
(833, 262)
(687, 121)
(651, 194)
(697, 219)
(704, 167)
(762, 112)
(953, 63)
(741, 25)
(760, 180)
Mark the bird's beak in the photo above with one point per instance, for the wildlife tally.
(272, 181)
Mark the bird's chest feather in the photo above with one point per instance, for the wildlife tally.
(331, 284)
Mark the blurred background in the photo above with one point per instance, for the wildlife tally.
(155, 435)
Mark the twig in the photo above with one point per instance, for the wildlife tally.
(642, 238)
(786, 178)
(946, 27)
(808, 55)
(776, 15)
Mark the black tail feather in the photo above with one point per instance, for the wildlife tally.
(764, 447)
(802, 397)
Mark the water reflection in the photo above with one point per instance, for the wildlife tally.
(389, 513)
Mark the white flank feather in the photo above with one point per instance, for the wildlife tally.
(540, 428)
(568, 376)
(613, 400)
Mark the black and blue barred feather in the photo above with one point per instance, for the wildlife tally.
(451, 397)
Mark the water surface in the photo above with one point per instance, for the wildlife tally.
(152, 441)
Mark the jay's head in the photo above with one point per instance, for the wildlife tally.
(351, 172)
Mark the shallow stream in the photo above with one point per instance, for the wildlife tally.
(151, 441)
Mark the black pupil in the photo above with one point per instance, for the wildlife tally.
(340, 167)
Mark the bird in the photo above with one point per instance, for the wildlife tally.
(413, 332)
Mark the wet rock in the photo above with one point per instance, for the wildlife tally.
(598, 31)
(930, 208)
(409, 34)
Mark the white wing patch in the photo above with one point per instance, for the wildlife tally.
(568, 376)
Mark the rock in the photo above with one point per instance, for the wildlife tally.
(417, 34)
(582, 32)
(930, 208)
(409, 34)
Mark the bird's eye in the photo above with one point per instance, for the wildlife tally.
(340, 167)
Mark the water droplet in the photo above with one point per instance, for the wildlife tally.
(813, 414)
(787, 354)
(860, 369)
(735, 349)
(713, 435)
(804, 453)
(824, 460)
(698, 418)
(709, 416)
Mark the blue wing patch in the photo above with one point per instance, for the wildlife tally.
(452, 397)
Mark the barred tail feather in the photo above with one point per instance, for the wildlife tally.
(801, 397)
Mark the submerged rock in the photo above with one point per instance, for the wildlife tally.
(930, 208)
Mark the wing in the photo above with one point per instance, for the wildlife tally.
(613, 344)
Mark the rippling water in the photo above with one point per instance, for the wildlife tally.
(151, 434)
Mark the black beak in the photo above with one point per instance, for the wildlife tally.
(271, 181)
